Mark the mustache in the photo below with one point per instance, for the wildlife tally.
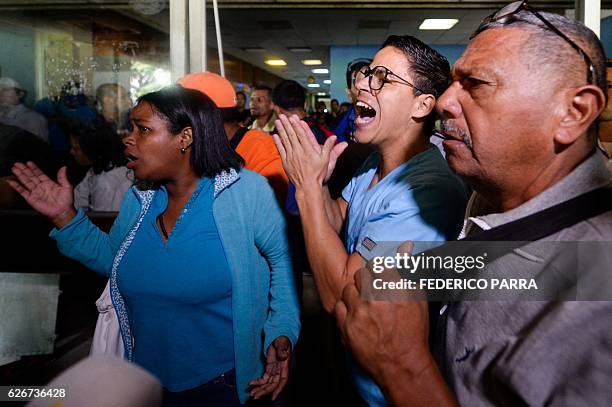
(447, 126)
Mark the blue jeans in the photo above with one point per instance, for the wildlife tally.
(220, 391)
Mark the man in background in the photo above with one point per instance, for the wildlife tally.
(245, 114)
(254, 146)
(262, 109)
(114, 104)
(14, 113)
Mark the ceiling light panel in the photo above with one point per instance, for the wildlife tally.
(438, 24)
(299, 49)
(275, 62)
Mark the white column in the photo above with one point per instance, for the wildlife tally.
(589, 13)
(197, 35)
(178, 38)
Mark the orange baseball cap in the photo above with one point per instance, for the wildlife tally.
(216, 87)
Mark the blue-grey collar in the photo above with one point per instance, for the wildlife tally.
(222, 181)
(591, 174)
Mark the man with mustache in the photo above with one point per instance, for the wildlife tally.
(520, 118)
(404, 190)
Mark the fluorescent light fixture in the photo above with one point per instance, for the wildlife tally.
(321, 94)
(312, 62)
(254, 50)
(438, 23)
(320, 70)
(314, 85)
(299, 49)
(327, 81)
(275, 62)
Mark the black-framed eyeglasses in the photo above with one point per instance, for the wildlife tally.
(377, 77)
(353, 67)
(503, 16)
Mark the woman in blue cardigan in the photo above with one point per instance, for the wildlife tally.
(198, 263)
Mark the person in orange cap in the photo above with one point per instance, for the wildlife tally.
(256, 147)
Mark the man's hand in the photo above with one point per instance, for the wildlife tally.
(304, 160)
(389, 340)
(382, 334)
(276, 374)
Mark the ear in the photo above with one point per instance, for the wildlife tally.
(276, 109)
(424, 105)
(583, 106)
(186, 138)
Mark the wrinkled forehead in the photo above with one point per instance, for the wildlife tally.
(498, 50)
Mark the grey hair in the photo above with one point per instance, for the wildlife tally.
(554, 52)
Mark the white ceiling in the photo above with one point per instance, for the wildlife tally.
(250, 23)
(321, 28)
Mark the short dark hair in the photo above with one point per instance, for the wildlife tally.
(263, 87)
(231, 115)
(180, 107)
(430, 70)
(289, 95)
(241, 93)
(99, 142)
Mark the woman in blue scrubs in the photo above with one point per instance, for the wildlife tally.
(198, 263)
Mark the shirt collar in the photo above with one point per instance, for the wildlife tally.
(591, 174)
(222, 180)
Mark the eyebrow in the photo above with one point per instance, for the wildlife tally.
(481, 72)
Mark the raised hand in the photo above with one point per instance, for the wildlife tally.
(303, 158)
(276, 374)
(53, 199)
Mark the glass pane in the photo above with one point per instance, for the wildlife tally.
(64, 57)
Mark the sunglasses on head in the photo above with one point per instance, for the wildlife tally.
(505, 16)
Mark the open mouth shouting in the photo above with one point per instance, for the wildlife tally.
(365, 113)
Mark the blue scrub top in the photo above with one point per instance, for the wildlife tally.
(421, 200)
(178, 294)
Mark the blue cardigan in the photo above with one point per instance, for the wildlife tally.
(252, 231)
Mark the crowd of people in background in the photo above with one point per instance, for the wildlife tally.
(280, 191)
(85, 134)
